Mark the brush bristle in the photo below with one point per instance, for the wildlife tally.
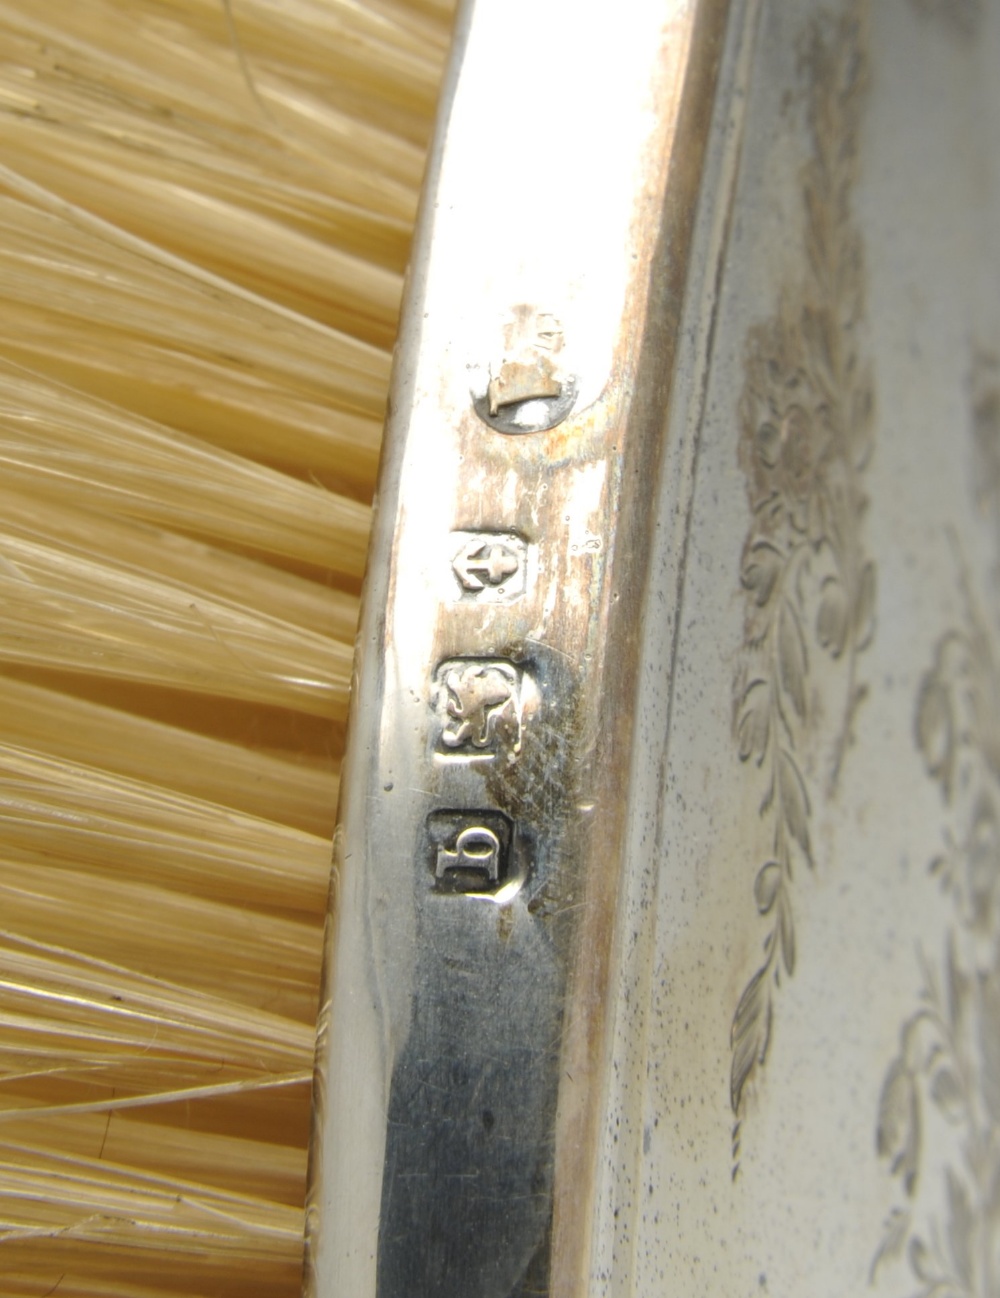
(205, 214)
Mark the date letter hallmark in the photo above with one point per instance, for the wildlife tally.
(481, 707)
(490, 567)
(469, 853)
(476, 851)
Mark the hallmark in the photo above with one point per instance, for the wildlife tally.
(490, 567)
(481, 707)
(469, 851)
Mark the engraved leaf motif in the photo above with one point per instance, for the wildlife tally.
(982, 865)
(754, 725)
(794, 801)
(832, 618)
(920, 1260)
(851, 281)
(817, 226)
(786, 933)
(989, 1046)
(792, 662)
(986, 434)
(956, 984)
(960, 1229)
(768, 445)
(861, 420)
(766, 886)
(761, 570)
(864, 608)
(936, 731)
(818, 334)
(897, 1232)
(751, 1032)
(992, 1198)
(985, 697)
(898, 1132)
(946, 1092)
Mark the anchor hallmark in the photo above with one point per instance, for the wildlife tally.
(491, 567)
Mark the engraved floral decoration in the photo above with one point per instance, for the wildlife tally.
(946, 1076)
(985, 384)
(806, 418)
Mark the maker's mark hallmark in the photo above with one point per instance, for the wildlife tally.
(526, 388)
(481, 707)
(489, 567)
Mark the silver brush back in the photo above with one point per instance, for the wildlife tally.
(614, 965)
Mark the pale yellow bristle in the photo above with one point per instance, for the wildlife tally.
(205, 215)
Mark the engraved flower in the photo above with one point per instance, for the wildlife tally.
(981, 899)
(789, 424)
(788, 447)
(986, 446)
(983, 857)
(898, 1132)
(984, 699)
